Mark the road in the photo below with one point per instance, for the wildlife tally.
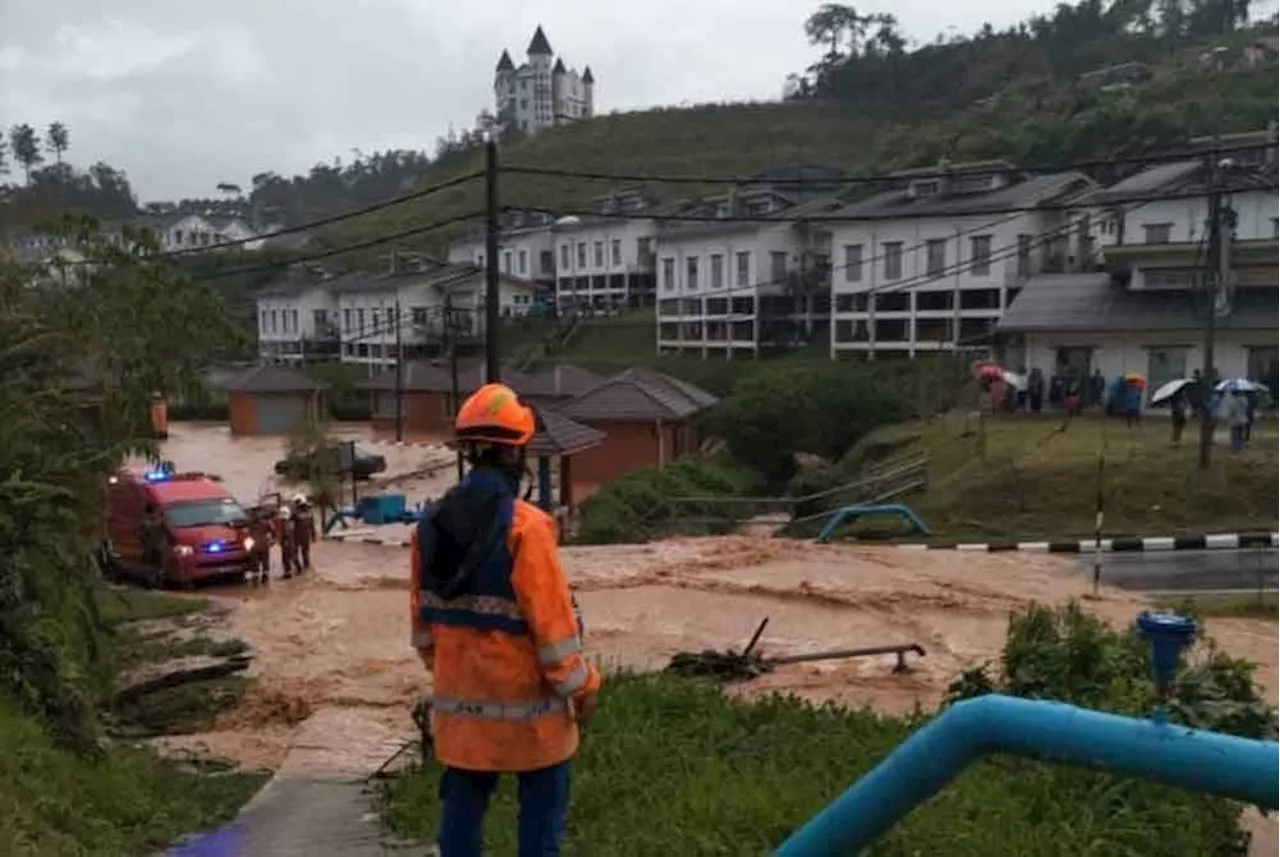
(1181, 571)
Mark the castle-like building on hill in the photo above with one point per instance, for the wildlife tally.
(542, 92)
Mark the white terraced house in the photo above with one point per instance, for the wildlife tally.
(297, 321)
(525, 250)
(933, 262)
(1142, 307)
(734, 289)
(606, 261)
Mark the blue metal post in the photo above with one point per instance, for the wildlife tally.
(545, 499)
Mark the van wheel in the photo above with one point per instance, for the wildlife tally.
(107, 565)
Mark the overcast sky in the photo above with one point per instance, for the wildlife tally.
(185, 95)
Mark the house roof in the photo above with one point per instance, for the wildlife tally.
(505, 63)
(558, 68)
(1034, 191)
(269, 378)
(538, 45)
(562, 436)
(587, 76)
(560, 381)
(1088, 302)
(639, 395)
(1179, 178)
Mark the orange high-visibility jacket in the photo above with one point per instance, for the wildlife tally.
(506, 652)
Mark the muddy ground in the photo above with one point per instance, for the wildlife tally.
(337, 676)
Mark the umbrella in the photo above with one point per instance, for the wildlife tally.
(1135, 378)
(995, 373)
(1239, 385)
(1169, 390)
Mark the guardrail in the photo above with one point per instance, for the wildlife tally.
(879, 483)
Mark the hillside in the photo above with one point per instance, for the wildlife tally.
(1034, 119)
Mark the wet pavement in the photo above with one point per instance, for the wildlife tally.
(337, 677)
(1218, 571)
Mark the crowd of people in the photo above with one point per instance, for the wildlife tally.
(289, 526)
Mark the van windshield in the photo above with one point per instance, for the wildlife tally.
(204, 513)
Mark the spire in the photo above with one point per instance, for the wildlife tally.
(539, 46)
(587, 76)
(559, 67)
(505, 63)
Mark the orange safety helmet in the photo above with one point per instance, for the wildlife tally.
(495, 414)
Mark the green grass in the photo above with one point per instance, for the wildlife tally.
(1035, 482)
(675, 767)
(1261, 606)
(129, 802)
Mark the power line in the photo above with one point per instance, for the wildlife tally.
(880, 178)
(338, 251)
(331, 219)
(818, 218)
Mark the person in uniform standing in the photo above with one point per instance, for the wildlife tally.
(304, 533)
(284, 538)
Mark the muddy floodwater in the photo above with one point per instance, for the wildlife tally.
(337, 677)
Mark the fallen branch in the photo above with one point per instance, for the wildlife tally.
(174, 678)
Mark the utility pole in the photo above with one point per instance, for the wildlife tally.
(492, 372)
(455, 395)
(399, 375)
(1217, 275)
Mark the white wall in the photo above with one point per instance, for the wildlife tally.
(292, 318)
(1256, 213)
(627, 234)
(519, 253)
(758, 242)
(1117, 353)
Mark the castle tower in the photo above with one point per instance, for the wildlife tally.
(588, 88)
(543, 100)
(504, 87)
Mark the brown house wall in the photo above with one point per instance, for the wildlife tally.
(629, 446)
(242, 411)
(424, 413)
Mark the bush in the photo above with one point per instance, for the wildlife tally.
(819, 409)
(639, 506)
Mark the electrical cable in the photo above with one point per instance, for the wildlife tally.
(331, 219)
(880, 178)
(338, 251)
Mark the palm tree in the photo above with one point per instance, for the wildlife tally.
(58, 139)
(26, 148)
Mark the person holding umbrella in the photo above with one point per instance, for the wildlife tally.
(1133, 385)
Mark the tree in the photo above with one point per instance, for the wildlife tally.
(26, 148)
(229, 189)
(80, 356)
(831, 25)
(58, 139)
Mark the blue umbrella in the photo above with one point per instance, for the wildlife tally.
(1239, 385)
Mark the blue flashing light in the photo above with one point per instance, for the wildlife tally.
(214, 547)
(156, 476)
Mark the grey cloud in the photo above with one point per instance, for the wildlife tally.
(183, 96)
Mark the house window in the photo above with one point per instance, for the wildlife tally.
(1275, 227)
(777, 267)
(582, 254)
(262, 321)
(668, 274)
(935, 256)
(1156, 233)
(506, 262)
(853, 263)
(346, 319)
(319, 318)
(717, 271)
(360, 320)
(1165, 364)
(522, 261)
(599, 254)
(419, 316)
(564, 256)
(744, 267)
(293, 320)
(892, 260)
(691, 272)
(615, 252)
(274, 314)
(1024, 255)
(980, 255)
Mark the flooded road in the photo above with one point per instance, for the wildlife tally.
(337, 677)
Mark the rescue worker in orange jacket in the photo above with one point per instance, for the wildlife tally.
(494, 621)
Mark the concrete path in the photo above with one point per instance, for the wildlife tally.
(318, 804)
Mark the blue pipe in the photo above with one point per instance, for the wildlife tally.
(1237, 768)
(844, 514)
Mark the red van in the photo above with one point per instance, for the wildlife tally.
(199, 530)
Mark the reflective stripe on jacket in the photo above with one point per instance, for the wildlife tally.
(507, 656)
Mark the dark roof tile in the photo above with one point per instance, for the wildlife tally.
(562, 436)
(640, 395)
(538, 45)
(269, 378)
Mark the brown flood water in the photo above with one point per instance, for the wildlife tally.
(337, 677)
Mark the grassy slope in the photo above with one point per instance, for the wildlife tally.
(129, 801)
(673, 767)
(1035, 482)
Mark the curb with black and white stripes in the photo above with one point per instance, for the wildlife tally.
(1151, 544)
